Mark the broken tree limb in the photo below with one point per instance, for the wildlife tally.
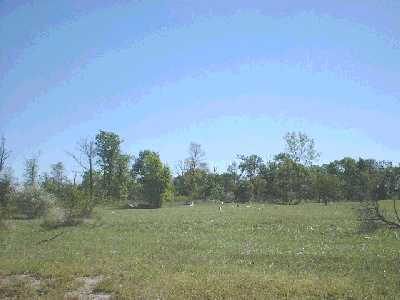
(51, 238)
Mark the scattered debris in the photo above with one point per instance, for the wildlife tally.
(11, 284)
(86, 291)
(11, 279)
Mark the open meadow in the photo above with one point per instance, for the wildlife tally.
(199, 150)
(307, 251)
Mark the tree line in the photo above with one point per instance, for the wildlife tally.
(110, 176)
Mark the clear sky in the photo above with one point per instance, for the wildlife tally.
(234, 76)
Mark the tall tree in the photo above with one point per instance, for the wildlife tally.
(108, 152)
(301, 148)
(58, 174)
(31, 172)
(326, 186)
(290, 179)
(56, 180)
(196, 159)
(348, 173)
(250, 166)
(122, 177)
(7, 188)
(196, 170)
(4, 153)
(86, 159)
(154, 177)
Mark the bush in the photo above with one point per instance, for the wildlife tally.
(7, 190)
(71, 207)
(54, 216)
(32, 202)
(76, 202)
(167, 196)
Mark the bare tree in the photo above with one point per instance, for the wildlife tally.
(196, 158)
(58, 174)
(87, 154)
(4, 153)
(385, 220)
(75, 174)
(32, 171)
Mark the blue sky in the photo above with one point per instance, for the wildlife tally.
(234, 76)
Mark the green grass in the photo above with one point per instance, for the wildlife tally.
(306, 251)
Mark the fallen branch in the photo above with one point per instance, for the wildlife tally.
(50, 239)
(395, 211)
(383, 219)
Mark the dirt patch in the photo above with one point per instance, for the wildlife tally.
(86, 292)
(17, 286)
(12, 279)
(24, 286)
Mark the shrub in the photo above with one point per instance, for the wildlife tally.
(69, 209)
(54, 217)
(167, 196)
(7, 191)
(32, 202)
(76, 202)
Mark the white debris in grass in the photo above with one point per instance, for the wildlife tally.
(86, 291)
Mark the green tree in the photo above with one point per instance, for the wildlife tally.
(244, 191)
(195, 172)
(7, 189)
(326, 186)
(348, 173)
(301, 148)
(154, 177)
(122, 177)
(108, 152)
(290, 179)
(250, 166)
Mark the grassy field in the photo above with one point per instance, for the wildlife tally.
(307, 251)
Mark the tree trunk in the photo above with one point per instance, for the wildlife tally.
(91, 179)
